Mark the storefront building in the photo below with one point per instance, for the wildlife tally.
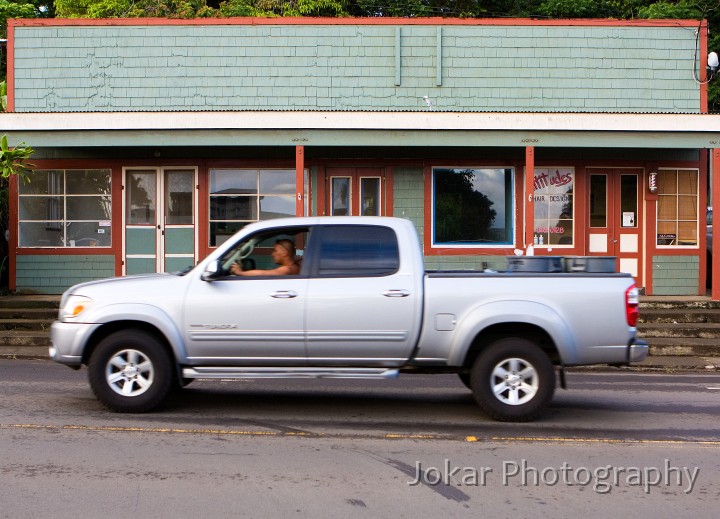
(156, 139)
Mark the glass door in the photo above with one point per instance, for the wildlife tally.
(355, 191)
(160, 209)
(615, 219)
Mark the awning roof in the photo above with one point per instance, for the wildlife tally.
(271, 128)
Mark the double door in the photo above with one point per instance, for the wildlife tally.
(355, 191)
(160, 219)
(615, 220)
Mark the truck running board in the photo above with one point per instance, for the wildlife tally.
(241, 373)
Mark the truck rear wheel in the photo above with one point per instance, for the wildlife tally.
(513, 380)
(130, 371)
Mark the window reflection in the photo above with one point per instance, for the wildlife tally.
(472, 206)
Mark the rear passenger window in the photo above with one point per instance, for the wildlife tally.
(356, 251)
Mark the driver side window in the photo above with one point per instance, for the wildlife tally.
(258, 254)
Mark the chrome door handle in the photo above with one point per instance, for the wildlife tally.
(284, 294)
(396, 293)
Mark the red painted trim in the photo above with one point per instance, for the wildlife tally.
(388, 191)
(203, 207)
(10, 76)
(715, 291)
(69, 251)
(702, 235)
(117, 220)
(39, 22)
(321, 185)
(581, 210)
(13, 226)
(299, 180)
(427, 210)
(702, 66)
(528, 200)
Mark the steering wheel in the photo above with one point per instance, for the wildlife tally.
(246, 249)
(241, 252)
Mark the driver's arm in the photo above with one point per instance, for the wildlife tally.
(282, 270)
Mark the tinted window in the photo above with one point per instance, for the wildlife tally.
(358, 251)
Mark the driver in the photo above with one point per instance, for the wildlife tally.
(283, 255)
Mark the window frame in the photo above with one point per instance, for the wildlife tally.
(677, 221)
(258, 195)
(510, 210)
(552, 171)
(61, 224)
(318, 238)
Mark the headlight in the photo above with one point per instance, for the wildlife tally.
(74, 306)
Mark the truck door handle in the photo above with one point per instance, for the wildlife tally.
(284, 294)
(396, 293)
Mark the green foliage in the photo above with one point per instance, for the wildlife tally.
(14, 10)
(13, 161)
(3, 96)
(683, 10)
(134, 9)
(242, 8)
(571, 9)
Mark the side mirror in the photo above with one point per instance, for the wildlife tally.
(212, 271)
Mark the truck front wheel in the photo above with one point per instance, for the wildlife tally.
(130, 371)
(513, 380)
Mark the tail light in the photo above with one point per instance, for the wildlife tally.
(632, 305)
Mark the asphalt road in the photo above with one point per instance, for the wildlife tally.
(613, 443)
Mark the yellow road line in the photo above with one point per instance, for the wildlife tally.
(385, 436)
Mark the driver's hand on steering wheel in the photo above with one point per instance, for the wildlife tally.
(236, 268)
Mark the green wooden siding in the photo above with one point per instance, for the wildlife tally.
(55, 274)
(354, 67)
(675, 275)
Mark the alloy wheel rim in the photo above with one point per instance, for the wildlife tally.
(129, 373)
(514, 381)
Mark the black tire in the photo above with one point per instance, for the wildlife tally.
(513, 380)
(130, 371)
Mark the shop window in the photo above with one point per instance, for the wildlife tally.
(65, 208)
(677, 208)
(241, 196)
(554, 216)
(472, 207)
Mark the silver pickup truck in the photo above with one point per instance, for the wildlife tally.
(360, 305)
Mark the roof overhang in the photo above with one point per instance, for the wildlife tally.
(478, 129)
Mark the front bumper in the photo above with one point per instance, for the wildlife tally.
(68, 340)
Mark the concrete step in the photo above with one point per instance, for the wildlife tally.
(48, 314)
(672, 315)
(681, 330)
(13, 302)
(25, 324)
(9, 338)
(696, 347)
(678, 304)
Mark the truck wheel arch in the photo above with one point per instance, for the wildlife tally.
(493, 333)
(149, 318)
(112, 327)
(523, 319)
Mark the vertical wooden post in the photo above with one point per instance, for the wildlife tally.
(299, 180)
(529, 196)
(715, 291)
